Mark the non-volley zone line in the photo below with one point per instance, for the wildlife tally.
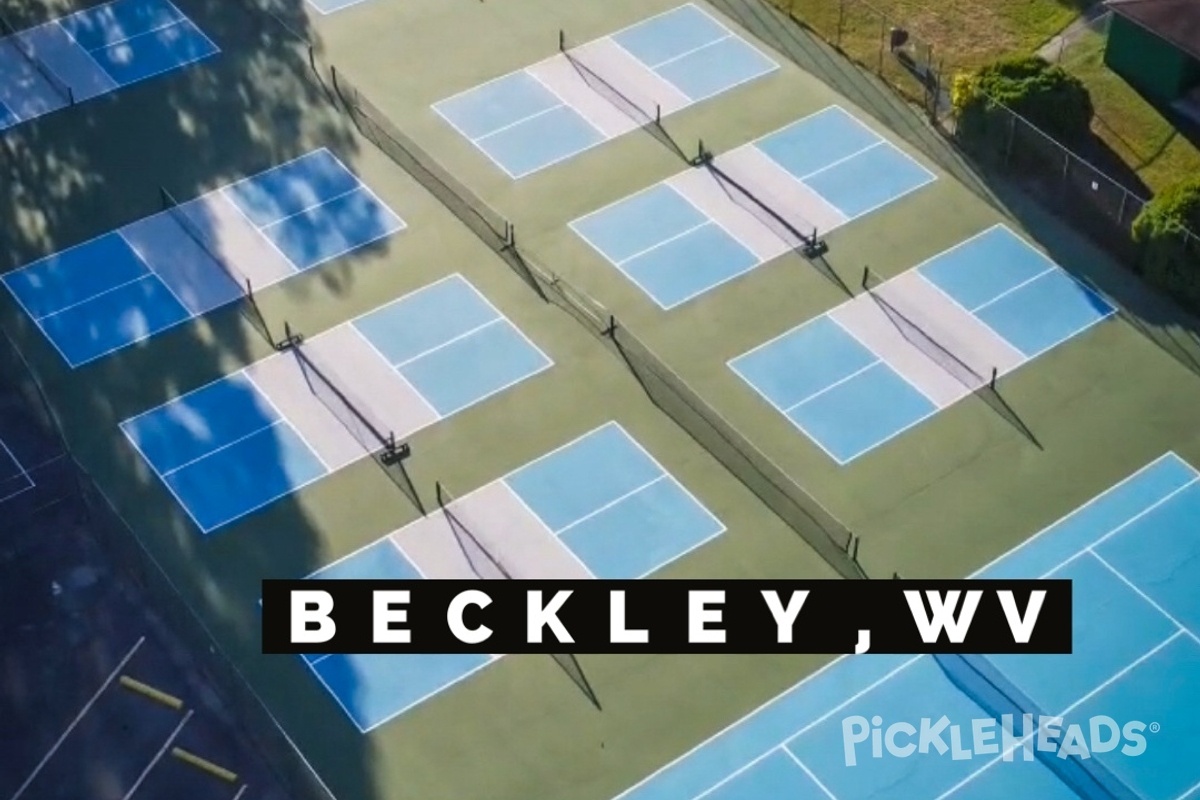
(702, 228)
(128, 285)
(546, 113)
(883, 362)
(1133, 554)
(238, 444)
(93, 52)
(597, 506)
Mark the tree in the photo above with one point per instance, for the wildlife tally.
(1170, 251)
(1045, 94)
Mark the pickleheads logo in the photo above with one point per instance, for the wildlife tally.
(992, 737)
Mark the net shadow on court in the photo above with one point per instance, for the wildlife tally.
(489, 567)
(981, 386)
(649, 121)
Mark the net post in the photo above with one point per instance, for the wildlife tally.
(658, 113)
(562, 40)
(71, 95)
(866, 276)
(854, 548)
(612, 326)
(995, 375)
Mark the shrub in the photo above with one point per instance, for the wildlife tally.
(1043, 93)
(1170, 258)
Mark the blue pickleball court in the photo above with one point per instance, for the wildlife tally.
(545, 114)
(613, 505)
(92, 52)
(242, 442)
(601, 496)
(1133, 554)
(161, 271)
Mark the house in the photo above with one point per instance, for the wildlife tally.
(1155, 46)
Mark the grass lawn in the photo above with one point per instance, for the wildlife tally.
(966, 35)
(1133, 128)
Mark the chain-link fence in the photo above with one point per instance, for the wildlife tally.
(816, 525)
(878, 42)
(62, 482)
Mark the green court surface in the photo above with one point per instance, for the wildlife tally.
(941, 499)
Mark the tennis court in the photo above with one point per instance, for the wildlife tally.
(701, 228)
(164, 270)
(1133, 553)
(91, 53)
(558, 108)
(598, 506)
(246, 440)
(870, 369)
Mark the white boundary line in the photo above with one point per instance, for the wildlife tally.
(416, 393)
(612, 37)
(158, 756)
(606, 506)
(244, 374)
(22, 472)
(746, 718)
(79, 717)
(220, 191)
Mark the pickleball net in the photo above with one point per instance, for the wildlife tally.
(371, 435)
(22, 47)
(991, 690)
(646, 114)
(189, 227)
(483, 562)
(937, 352)
(787, 225)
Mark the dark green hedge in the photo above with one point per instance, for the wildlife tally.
(1045, 94)
(1170, 257)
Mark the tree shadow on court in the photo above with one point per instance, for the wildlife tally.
(91, 168)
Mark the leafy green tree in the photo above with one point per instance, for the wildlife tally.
(1170, 250)
(1045, 94)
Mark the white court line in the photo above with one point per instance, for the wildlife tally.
(21, 468)
(79, 717)
(241, 792)
(216, 450)
(456, 338)
(1188, 793)
(833, 385)
(371, 346)
(748, 719)
(1011, 289)
(811, 775)
(284, 419)
(831, 164)
(190, 314)
(99, 294)
(158, 756)
(522, 121)
(109, 45)
(684, 54)
(1121, 576)
(1104, 685)
(666, 241)
(899, 374)
(602, 508)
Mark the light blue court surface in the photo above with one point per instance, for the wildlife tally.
(606, 499)
(849, 401)
(1018, 292)
(373, 689)
(128, 285)
(833, 388)
(613, 505)
(225, 450)
(1133, 554)
(674, 252)
(92, 52)
(524, 126)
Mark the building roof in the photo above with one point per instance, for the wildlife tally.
(1174, 21)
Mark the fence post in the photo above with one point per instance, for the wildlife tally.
(840, 23)
(1012, 136)
(883, 41)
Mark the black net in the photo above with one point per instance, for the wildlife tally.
(21, 46)
(980, 680)
(913, 333)
(195, 234)
(370, 434)
(794, 229)
(483, 562)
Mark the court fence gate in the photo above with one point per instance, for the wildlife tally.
(73, 489)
